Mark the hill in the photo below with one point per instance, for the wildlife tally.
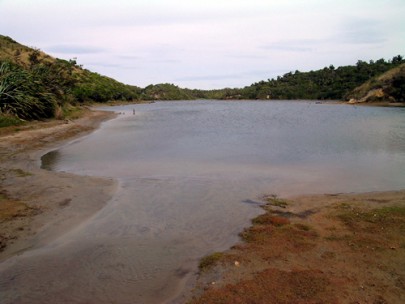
(329, 83)
(34, 85)
(388, 87)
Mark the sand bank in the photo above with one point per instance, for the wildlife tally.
(36, 205)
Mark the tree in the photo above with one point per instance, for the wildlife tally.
(397, 59)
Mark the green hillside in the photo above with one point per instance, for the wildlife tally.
(329, 83)
(34, 85)
(388, 87)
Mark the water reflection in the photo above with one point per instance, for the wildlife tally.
(50, 160)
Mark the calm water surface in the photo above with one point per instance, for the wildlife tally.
(191, 175)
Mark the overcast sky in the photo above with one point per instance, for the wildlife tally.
(207, 43)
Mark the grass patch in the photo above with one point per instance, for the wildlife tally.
(275, 201)
(269, 219)
(210, 260)
(303, 227)
(10, 208)
(20, 172)
(73, 112)
(376, 229)
(384, 216)
(8, 121)
(3, 197)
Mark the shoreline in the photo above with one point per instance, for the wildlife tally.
(328, 248)
(37, 205)
(43, 205)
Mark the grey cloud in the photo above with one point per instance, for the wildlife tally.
(165, 61)
(106, 65)
(209, 77)
(288, 48)
(74, 49)
(129, 57)
(260, 73)
(112, 65)
(361, 31)
(292, 46)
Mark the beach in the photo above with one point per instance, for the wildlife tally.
(36, 205)
(331, 248)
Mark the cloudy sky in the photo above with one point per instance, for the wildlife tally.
(207, 43)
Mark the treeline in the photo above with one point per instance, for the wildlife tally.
(165, 91)
(328, 83)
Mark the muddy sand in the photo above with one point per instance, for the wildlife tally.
(340, 248)
(36, 205)
(332, 248)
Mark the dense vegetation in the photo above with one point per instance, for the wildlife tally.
(327, 83)
(389, 86)
(34, 85)
(165, 91)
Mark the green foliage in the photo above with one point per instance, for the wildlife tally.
(165, 91)
(34, 85)
(97, 88)
(389, 86)
(397, 90)
(22, 94)
(226, 93)
(328, 83)
(273, 200)
(7, 120)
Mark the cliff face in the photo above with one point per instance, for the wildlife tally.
(388, 87)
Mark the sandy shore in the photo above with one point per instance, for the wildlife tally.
(36, 205)
(341, 248)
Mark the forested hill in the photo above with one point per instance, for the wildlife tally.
(389, 86)
(328, 83)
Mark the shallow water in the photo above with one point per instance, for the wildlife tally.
(191, 175)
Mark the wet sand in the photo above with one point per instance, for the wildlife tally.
(37, 206)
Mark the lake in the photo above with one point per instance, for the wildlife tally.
(191, 176)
